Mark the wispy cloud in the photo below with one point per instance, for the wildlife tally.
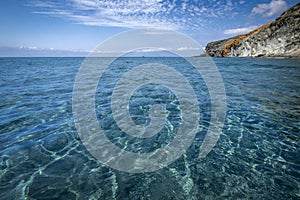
(34, 51)
(275, 7)
(167, 14)
(239, 30)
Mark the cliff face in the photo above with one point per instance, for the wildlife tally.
(277, 38)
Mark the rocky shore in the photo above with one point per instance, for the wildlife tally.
(279, 38)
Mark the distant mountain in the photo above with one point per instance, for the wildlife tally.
(279, 38)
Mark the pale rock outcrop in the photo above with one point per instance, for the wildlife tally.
(279, 38)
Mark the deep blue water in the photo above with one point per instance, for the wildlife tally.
(256, 157)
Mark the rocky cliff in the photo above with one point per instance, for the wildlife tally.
(279, 38)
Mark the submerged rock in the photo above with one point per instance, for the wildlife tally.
(279, 38)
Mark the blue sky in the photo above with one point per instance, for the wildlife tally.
(75, 27)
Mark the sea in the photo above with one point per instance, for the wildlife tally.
(257, 154)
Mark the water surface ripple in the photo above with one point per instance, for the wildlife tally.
(256, 157)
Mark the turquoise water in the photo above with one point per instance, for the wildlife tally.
(257, 155)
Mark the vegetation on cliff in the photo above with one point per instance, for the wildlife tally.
(280, 37)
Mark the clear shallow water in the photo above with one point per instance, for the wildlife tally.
(257, 155)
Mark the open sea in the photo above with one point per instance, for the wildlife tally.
(256, 157)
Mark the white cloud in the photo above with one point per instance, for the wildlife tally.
(188, 49)
(128, 13)
(32, 48)
(273, 8)
(149, 50)
(165, 14)
(24, 51)
(239, 30)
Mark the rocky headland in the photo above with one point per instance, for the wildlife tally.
(279, 38)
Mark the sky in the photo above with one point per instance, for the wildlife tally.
(76, 27)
